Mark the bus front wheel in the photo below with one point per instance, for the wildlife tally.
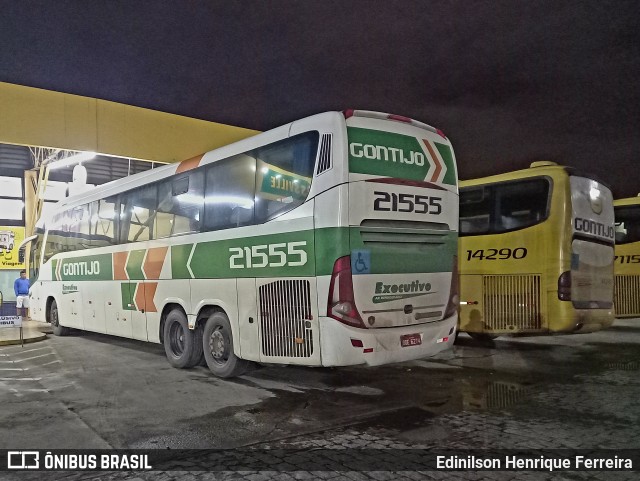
(218, 347)
(182, 346)
(58, 330)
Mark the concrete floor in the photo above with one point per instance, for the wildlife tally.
(555, 392)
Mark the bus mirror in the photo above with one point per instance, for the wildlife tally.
(21, 255)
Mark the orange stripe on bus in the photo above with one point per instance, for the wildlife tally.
(189, 164)
(436, 174)
(144, 296)
(154, 262)
(119, 266)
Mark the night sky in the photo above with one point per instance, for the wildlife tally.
(509, 82)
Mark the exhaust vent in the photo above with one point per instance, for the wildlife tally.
(512, 302)
(627, 296)
(285, 311)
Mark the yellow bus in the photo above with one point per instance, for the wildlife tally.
(627, 260)
(535, 253)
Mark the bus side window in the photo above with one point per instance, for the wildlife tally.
(180, 205)
(103, 222)
(137, 214)
(627, 224)
(475, 210)
(230, 192)
(77, 228)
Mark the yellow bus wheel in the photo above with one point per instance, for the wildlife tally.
(482, 336)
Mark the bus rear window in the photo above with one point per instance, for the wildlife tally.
(284, 171)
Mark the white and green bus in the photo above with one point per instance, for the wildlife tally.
(329, 241)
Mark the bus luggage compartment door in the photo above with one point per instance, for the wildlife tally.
(471, 305)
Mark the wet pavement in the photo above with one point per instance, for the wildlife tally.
(552, 392)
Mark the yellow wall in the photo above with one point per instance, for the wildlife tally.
(36, 117)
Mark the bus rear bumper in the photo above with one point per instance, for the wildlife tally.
(591, 320)
(343, 345)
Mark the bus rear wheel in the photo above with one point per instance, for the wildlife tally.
(182, 346)
(58, 330)
(218, 347)
(482, 336)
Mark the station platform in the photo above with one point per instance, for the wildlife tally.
(32, 331)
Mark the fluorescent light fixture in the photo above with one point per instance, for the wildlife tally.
(73, 160)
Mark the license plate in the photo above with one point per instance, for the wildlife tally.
(410, 340)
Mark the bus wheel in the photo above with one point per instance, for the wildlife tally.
(218, 347)
(58, 330)
(182, 346)
(482, 336)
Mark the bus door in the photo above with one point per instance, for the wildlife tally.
(592, 249)
(472, 310)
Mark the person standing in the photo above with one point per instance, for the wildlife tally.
(21, 289)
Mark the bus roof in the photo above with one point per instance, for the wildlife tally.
(536, 169)
(627, 201)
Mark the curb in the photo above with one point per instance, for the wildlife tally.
(39, 337)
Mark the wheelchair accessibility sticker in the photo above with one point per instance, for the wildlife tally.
(361, 262)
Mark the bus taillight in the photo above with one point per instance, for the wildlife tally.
(341, 305)
(454, 291)
(564, 286)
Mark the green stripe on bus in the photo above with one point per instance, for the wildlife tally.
(386, 154)
(127, 290)
(390, 257)
(179, 258)
(275, 255)
(331, 244)
(134, 264)
(54, 274)
(84, 268)
(290, 254)
(447, 157)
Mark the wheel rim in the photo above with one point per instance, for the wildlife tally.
(177, 339)
(54, 317)
(219, 346)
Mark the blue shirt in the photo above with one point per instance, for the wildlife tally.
(21, 287)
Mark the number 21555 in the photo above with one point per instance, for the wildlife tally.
(268, 255)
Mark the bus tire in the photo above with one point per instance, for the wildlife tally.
(218, 347)
(180, 343)
(197, 356)
(482, 336)
(57, 329)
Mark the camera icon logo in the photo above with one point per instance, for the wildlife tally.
(23, 460)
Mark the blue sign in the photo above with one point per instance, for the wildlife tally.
(361, 262)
